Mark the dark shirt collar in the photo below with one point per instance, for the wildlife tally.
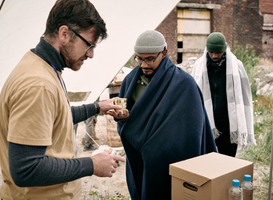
(49, 54)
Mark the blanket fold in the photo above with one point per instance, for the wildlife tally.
(168, 123)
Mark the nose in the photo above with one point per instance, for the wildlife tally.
(143, 64)
(90, 53)
(214, 55)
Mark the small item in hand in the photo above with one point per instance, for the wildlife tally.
(121, 102)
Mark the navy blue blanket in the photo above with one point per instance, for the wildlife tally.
(167, 124)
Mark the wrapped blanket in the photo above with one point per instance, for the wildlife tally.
(239, 98)
(168, 123)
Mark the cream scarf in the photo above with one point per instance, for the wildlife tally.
(239, 98)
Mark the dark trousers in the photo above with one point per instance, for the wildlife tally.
(223, 141)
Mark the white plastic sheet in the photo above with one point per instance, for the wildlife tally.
(22, 23)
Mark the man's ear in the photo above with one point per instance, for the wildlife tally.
(164, 53)
(64, 34)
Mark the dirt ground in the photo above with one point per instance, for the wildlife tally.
(114, 187)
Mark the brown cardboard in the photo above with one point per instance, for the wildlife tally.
(113, 137)
(207, 177)
(120, 78)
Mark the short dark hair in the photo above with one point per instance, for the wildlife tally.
(77, 14)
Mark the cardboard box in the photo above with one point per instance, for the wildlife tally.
(120, 78)
(207, 177)
(113, 138)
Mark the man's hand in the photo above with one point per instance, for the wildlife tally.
(108, 105)
(105, 163)
(118, 115)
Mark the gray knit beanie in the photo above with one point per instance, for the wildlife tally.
(150, 42)
(216, 42)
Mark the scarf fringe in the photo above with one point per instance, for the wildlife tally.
(216, 133)
(243, 139)
(240, 110)
(235, 138)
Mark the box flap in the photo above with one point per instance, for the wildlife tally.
(201, 169)
(187, 176)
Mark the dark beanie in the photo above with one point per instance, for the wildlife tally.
(216, 42)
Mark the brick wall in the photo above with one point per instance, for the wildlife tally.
(168, 28)
(266, 6)
(222, 21)
(248, 24)
(238, 20)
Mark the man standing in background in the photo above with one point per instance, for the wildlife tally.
(227, 95)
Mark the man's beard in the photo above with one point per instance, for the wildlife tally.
(65, 53)
(150, 76)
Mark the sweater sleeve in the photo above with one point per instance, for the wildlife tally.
(29, 166)
(83, 112)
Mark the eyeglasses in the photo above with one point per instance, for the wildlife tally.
(148, 61)
(90, 46)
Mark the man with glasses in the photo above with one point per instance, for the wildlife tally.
(37, 145)
(167, 122)
(90, 46)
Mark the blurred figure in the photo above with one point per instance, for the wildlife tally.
(90, 125)
(114, 86)
(227, 95)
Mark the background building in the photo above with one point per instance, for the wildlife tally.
(247, 22)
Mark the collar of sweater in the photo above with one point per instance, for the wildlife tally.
(49, 54)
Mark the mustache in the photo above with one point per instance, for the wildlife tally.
(146, 68)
